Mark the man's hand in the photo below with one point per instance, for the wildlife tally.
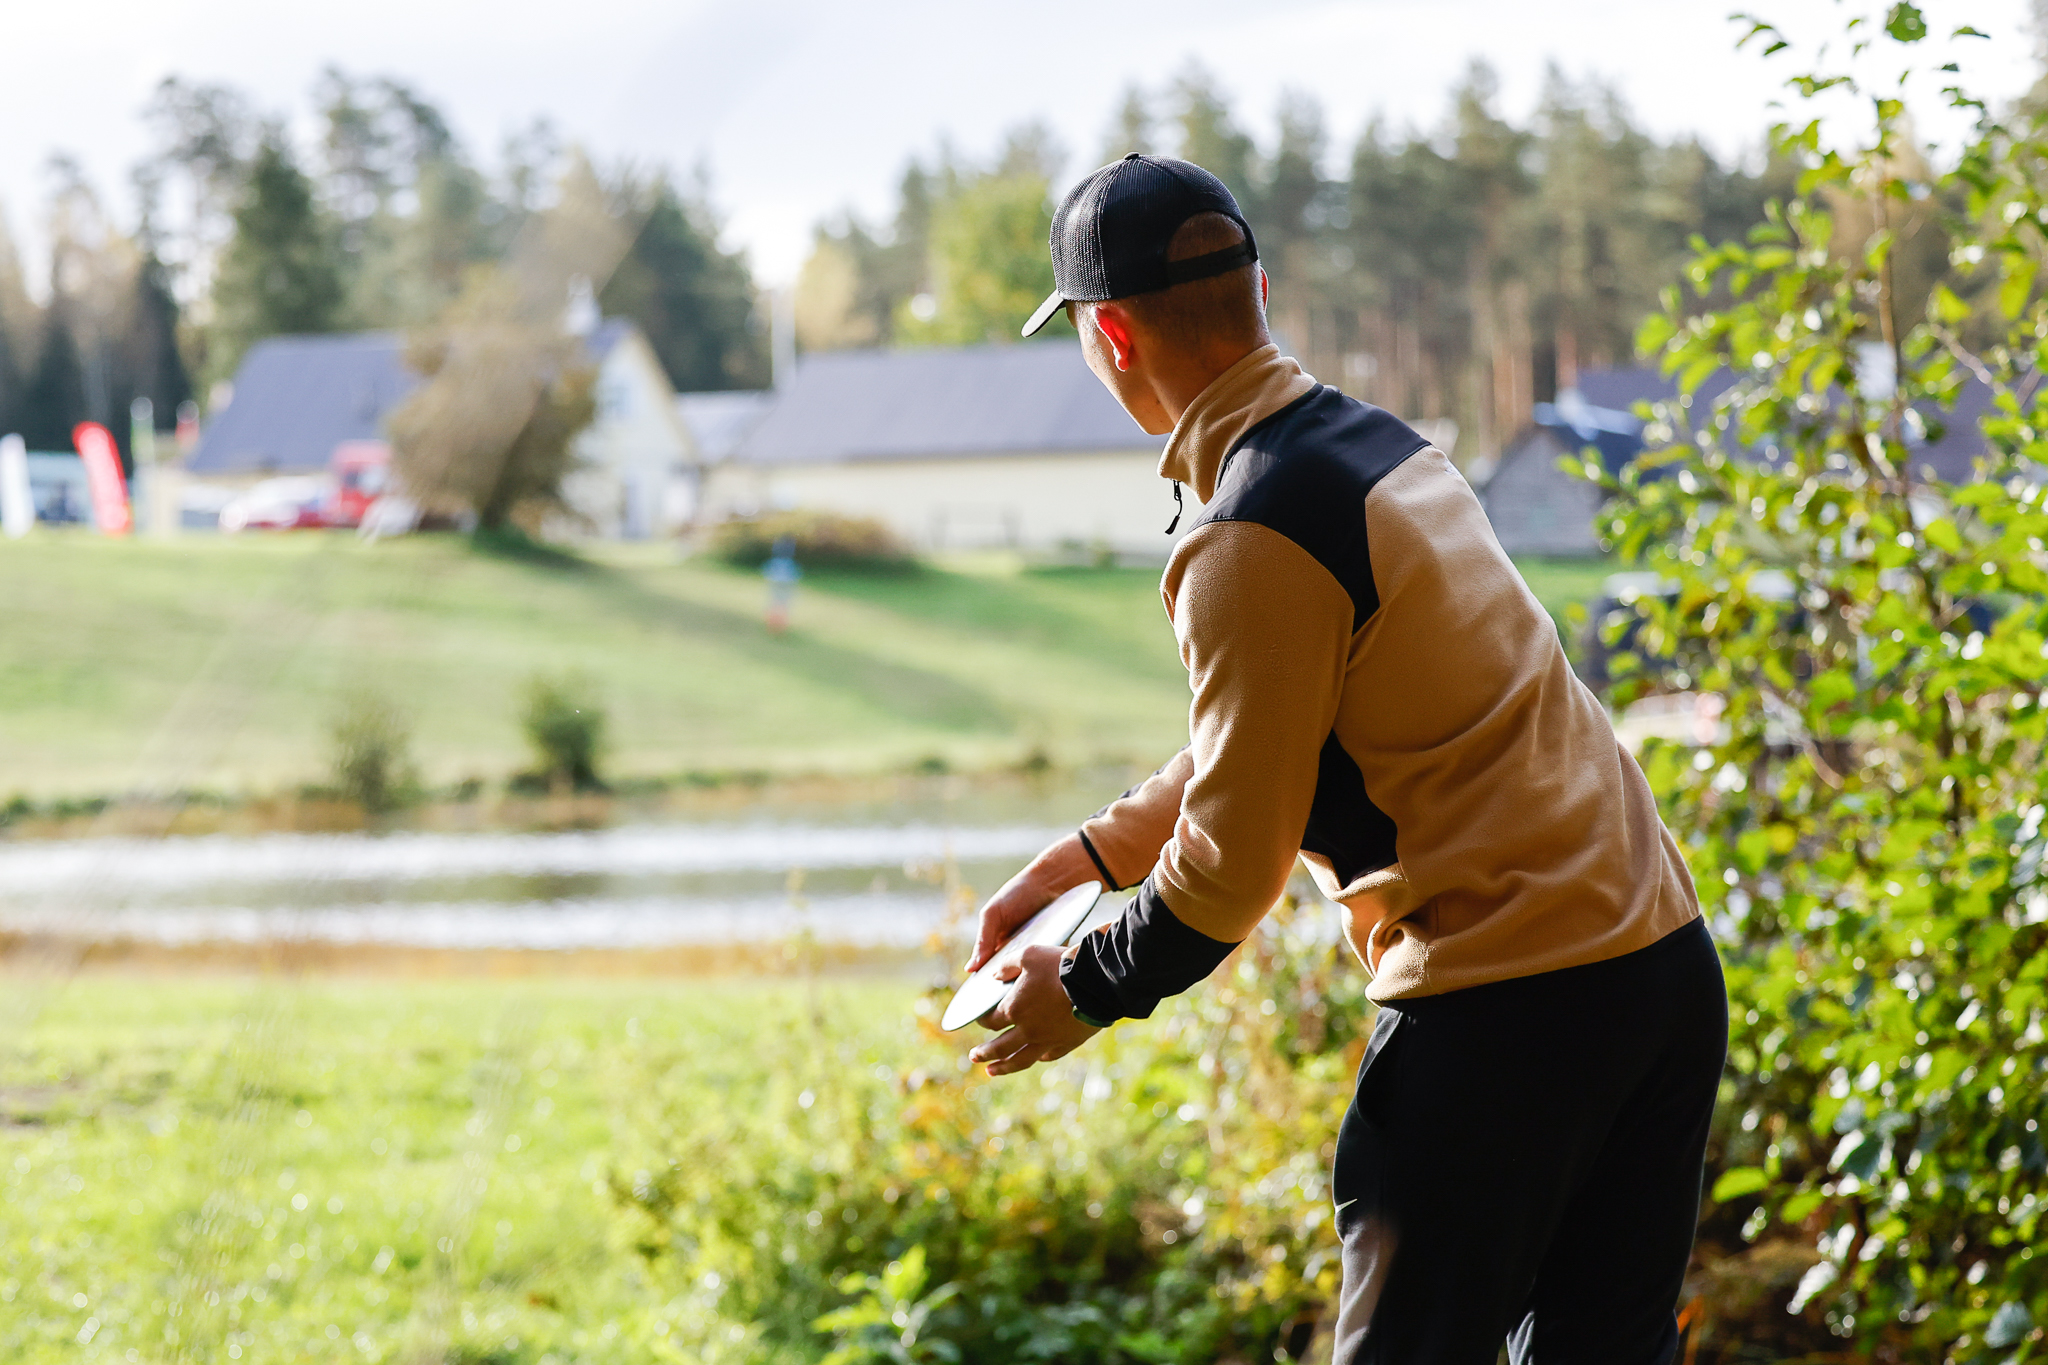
(1062, 867)
(1037, 1017)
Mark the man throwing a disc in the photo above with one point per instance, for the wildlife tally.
(1377, 693)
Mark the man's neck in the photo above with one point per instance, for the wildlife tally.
(1179, 385)
(1260, 383)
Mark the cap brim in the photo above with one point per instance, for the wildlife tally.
(1053, 303)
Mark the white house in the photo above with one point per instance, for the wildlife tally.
(635, 478)
(297, 398)
(1015, 446)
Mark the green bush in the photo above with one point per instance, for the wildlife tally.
(370, 742)
(1161, 1196)
(564, 720)
(822, 541)
(1867, 832)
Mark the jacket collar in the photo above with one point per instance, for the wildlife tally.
(1240, 398)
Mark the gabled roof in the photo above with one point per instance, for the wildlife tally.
(296, 398)
(719, 421)
(1031, 398)
(1604, 397)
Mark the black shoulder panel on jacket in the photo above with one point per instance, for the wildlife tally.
(1343, 823)
(1305, 471)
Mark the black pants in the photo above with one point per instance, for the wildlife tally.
(1522, 1164)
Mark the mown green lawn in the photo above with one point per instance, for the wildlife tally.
(212, 663)
(241, 1169)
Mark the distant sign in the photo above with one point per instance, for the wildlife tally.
(103, 477)
(17, 500)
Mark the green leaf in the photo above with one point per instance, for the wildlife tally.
(2017, 286)
(1946, 307)
(1657, 329)
(1831, 689)
(1905, 23)
(1800, 1205)
(1738, 1181)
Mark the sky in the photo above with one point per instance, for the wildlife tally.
(799, 109)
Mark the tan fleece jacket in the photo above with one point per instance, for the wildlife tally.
(1377, 692)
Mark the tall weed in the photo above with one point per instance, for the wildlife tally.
(370, 743)
(1161, 1196)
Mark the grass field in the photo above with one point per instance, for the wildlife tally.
(216, 663)
(234, 1169)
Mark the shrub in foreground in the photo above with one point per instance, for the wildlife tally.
(371, 751)
(1161, 1196)
(1867, 830)
(564, 721)
(822, 540)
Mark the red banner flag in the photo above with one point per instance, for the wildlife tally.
(103, 477)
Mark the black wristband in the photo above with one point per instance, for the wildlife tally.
(1096, 858)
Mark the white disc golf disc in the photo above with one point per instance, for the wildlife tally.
(1104, 914)
(1052, 925)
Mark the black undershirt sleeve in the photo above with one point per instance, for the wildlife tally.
(1124, 971)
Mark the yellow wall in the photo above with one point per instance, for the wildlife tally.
(1034, 502)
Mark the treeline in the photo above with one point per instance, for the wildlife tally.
(238, 234)
(1461, 272)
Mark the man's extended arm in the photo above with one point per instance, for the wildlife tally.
(1265, 631)
(1124, 837)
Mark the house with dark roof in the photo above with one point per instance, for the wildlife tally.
(637, 461)
(1013, 446)
(719, 421)
(295, 399)
(1538, 509)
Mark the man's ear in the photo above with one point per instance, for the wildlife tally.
(1265, 288)
(1115, 325)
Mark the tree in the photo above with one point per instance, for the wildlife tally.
(18, 326)
(990, 265)
(1292, 190)
(986, 265)
(1210, 137)
(1866, 829)
(411, 214)
(831, 312)
(150, 362)
(492, 430)
(207, 133)
(279, 273)
(1131, 130)
(409, 268)
(54, 399)
(694, 301)
(857, 279)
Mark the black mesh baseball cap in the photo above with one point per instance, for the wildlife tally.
(1110, 235)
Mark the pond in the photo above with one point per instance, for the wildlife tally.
(874, 873)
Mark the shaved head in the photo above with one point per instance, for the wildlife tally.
(1223, 310)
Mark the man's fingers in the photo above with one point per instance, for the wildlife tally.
(1041, 957)
(1023, 1059)
(1002, 1046)
(996, 923)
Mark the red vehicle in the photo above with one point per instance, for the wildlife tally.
(362, 471)
(357, 476)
